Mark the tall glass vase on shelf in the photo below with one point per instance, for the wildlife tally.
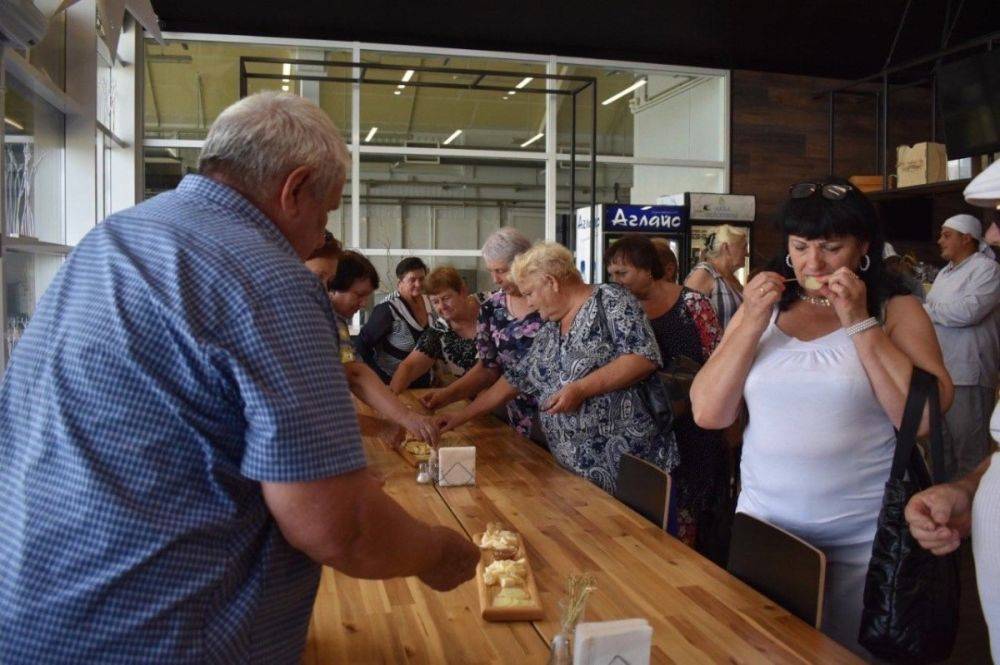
(21, 165)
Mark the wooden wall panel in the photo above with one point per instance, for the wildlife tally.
(780, 137)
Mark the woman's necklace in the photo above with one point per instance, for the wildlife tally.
(814, 300)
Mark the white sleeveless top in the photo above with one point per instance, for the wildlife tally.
(818, 448)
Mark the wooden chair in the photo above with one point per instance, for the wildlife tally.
(644, 488)
(783, 567)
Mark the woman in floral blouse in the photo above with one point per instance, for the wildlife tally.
(589, 367)
(684, 324)
(450, 339)
(507, 326)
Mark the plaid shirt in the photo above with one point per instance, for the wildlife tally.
(180, 357)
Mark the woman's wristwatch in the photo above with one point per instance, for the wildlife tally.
(861, 326)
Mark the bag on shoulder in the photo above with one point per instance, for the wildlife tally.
(911, 596)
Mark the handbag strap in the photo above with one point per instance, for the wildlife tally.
(923, 389)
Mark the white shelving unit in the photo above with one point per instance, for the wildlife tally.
(65, 162)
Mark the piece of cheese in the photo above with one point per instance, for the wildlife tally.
(418, 449)
(512, 597)
(496, 538)
(812, 284)
(506, 573)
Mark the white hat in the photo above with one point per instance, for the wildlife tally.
(888, 250)
(984, 190)
(969, 225)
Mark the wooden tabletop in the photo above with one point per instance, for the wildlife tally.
(699, 613)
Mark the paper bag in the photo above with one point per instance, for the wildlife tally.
(922, 164)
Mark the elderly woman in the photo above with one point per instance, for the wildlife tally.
(684, 324)
(725, 251)
(823, 367)
(450, 339)
(507, 326)
(395, 326)
(349, 287)
(589, 367)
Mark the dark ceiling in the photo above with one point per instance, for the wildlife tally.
(844, 38)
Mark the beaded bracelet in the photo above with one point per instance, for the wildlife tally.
(862, 326)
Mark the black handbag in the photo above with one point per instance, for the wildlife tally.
(911, 596)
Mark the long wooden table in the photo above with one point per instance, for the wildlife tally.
(699, 613)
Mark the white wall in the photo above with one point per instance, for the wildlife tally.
(684, 123)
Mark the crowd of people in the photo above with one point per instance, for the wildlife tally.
(198, 352)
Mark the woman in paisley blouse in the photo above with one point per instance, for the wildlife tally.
(450, 339)
(585, 368)
(506, 328)
(684, 324)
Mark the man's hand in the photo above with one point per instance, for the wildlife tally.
(567, 400)
(456, 564)
(423, 427)
(940, 516)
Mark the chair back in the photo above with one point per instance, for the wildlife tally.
(783, 567)
(644, 488)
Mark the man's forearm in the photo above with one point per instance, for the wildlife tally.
(389, 542)
(366, 384)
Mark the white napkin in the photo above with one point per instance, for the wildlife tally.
(626, 642)
(457, 465)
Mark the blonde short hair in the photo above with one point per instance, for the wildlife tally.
(545, 258)
(723, 235)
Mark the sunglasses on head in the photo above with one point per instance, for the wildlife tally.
(833, 191)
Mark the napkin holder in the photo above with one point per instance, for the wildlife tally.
(456, 466)
(626, 642)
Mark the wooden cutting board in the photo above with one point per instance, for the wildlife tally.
(532, 612)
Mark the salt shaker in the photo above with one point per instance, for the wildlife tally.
(432, 465)
(423, 474)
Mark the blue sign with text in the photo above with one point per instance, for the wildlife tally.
(648, 219)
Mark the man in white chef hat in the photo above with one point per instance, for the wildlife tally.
(964, 305)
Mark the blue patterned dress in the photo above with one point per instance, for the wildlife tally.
(590, 442)
(502, 340)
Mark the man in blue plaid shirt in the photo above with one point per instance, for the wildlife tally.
(178, 446)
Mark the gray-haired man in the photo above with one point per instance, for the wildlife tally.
(178, 447)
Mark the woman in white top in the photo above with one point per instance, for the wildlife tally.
(824, 376)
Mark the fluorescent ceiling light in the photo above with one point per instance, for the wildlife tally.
(532, 139)
(635, 86)
(286, 70)
(525, 81)
(396, 92)
(13, 123)
(512, 92)
(400, 86)
(407, 75)
(284, 88)
(454, 135)
(371, 133)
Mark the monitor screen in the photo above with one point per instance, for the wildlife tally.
(907, 219)
(969, 99)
